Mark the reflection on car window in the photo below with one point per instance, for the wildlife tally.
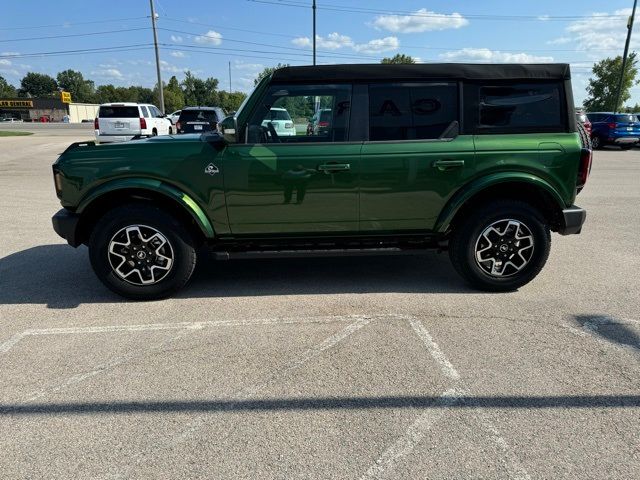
(411, 112)
(518, 106)
(302, 113)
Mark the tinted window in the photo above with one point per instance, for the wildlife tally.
(521, 106)
(625, 118)
(302, 105)
(118, 112)
(411, 111)
(145, 112)
(198, 116)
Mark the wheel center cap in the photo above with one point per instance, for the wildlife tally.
(141, 255)
(503, 248)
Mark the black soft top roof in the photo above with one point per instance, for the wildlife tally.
(458, 71)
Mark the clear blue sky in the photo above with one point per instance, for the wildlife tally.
(203, 36)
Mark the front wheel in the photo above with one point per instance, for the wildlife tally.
(141, 252)
(501, 246)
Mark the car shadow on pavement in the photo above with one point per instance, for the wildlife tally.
(61, 277)
(324, 403)
(610, 329)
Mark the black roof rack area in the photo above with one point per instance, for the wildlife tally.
(458, 71)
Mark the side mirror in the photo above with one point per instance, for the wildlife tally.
(229, 128)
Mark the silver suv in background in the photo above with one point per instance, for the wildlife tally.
(120, 122)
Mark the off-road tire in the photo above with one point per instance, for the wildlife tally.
(180, 242)
(464, 238)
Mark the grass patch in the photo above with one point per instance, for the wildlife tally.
(11, 133)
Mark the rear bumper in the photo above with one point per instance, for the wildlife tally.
(65, 224)
(625, 140)
(574, 218)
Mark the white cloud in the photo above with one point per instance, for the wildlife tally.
(559, 41)
(109, 73)
(543, 18)
(176, 38)
(5, 62)
(378, 45)
(421, 20)
(600, 31)
(178, 54)
(211, 37)
(333, 41)
(9, 54)
(336, 41)
(492, 56)
(167, 67)
(254, 67)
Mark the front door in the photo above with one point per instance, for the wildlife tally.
(414, 158)
(298, 177)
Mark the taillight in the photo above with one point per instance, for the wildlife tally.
(612, 125)
(96, 124)
(143, 123)
(586, 156)
(323, 124)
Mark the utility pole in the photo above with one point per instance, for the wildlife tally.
(229, 76)
(624, 56)
(155, 44)
(314, 31)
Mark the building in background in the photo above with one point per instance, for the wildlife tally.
(46, 109)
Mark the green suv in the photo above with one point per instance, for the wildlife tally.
(481, 160)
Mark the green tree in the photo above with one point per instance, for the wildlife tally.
(603, 85)
(194, 89)
(82, 91)
(398, 58)
(230, 102)
(6, 89)
(268, 71)
(38, 85)
(173, 95)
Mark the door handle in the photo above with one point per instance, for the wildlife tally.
(334, 167)
(447, 164)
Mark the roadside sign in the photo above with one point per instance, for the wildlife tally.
(65, 97)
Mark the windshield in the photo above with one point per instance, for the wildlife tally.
(198, 116)
(118, 112)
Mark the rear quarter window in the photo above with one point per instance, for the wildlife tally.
(118, 112)
(518, 108)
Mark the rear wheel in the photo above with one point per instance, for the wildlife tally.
(141, 252)
(170, 131)
(596, 143)
(501, 246)
(154, 132)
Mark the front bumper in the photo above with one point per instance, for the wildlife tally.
(65, 224)
(574, 218)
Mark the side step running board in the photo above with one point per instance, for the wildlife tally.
(332, 252)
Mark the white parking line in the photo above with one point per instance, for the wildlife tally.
(12, 341)
(405, 444)
(445, 365)
(251, 390)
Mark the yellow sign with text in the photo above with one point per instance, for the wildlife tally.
(65, 97)
(17, 103)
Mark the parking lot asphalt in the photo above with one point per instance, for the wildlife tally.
(319, 368)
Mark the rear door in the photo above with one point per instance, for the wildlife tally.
(119, 120)
(294, 184)
(414, 158)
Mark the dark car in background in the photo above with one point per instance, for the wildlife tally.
(621, 129)
(199, 119)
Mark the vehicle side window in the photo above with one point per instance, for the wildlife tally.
(411, 111)
(521, 107)
(145, 112)
(301, 114)
(154, 111)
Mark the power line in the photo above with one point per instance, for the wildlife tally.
(74, 35)
(119, 48)
(340, 8)
(73, 24)
(225, 27)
